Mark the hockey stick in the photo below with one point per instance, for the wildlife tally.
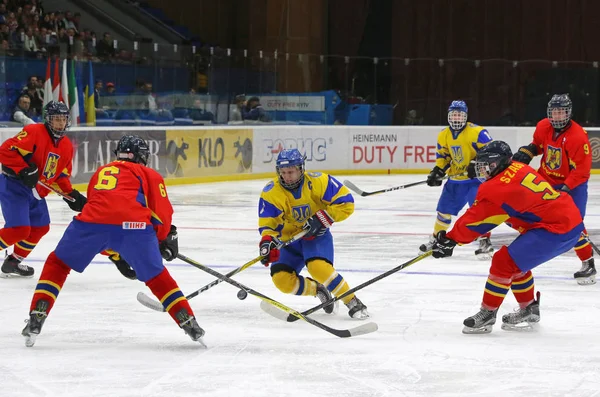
(282, 316)
(153, 304)
(594, 246)
(342, 333)
(362, 193)
(61, 194)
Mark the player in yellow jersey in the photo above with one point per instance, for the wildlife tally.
(457, 145)
(312, 201)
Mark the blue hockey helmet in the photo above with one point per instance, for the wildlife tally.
(457, 115)
(132, 148)
(560, 108)
(290, 158)
(492, 159)
(57, 119)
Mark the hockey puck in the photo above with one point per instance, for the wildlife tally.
(242, 294)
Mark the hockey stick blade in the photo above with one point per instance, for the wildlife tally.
(281, 315)
(155, 305)
(341, 333)
(291, 319)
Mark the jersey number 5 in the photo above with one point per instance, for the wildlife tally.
(540, 187)
(107, 179)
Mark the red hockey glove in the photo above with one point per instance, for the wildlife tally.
(268, 249)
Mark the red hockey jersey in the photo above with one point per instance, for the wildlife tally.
(128, 194)
(523, 199)
(34, 145)
(566, 159)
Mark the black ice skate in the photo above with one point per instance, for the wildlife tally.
(325, 296)
(428, 246)
(587, 274)
(13, 267)
(358, 310)
(480, 323)
(35, 322)
(522, 319)
(190, 326)
(485, 250)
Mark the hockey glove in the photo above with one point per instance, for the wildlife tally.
(123, 266)
(80, 201)
(169, 247)
(443, 247)
(29, 175)
(525, 154)
(471, 170)
(436, 176)
(317, 224)
(268, 249)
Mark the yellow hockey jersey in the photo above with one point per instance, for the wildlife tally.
(282, 213)
(456, 150)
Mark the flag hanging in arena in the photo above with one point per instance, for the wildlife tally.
(73, 96)
(48, 84)
(64, 85)
(56, 82)
(90, 106)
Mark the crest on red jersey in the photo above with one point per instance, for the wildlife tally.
(553, 157)
(51, 167)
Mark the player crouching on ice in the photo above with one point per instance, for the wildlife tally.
(138, 228)
(294, 201)
(548, 220)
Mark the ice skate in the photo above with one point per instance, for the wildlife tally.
(480, 323)
(12, 267)
(427, 246)
(522, 319)
(37, 317)
(485, 250)
(357, 309)
(587, 274)
(190, 326)
(325, 296)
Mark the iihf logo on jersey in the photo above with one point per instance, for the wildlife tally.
(51, 166)
(457, 154)
(553, 157)
(301, 213)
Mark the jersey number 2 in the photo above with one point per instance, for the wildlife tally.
(540, 187)
(107, 179)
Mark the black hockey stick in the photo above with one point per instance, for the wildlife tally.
(155, 305)
(594, 246)
(278, 314)
(342, 333)
(362, 193)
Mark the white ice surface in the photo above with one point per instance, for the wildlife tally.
(99, 341)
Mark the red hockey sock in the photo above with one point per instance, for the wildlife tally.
(11, 235)
(583, 249)
(51, 280)
(165, 288)
(498, 283)
(24, 247)
(523, 288)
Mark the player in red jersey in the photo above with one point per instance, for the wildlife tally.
(566, 163)
(139, 228)
(39, 152)
(548, 220)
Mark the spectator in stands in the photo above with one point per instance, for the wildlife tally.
(30, 44)
(22, 113)
(104, 48)
(4, 32)
(3, 13)
(236, 112)
(148, 99)
(5, 48)
(109, 101)
(412, 118)
(36, 98)
(254, 111)
(197, 113)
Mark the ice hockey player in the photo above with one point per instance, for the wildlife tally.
(138, 228)
(297, 200)
(566, 164)
(548, 221)
(457, 145)
(40, 152)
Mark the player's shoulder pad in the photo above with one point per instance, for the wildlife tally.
(268, 186)
(314, 174)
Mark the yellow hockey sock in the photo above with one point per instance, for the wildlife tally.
(325, 274)
(291, 283)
